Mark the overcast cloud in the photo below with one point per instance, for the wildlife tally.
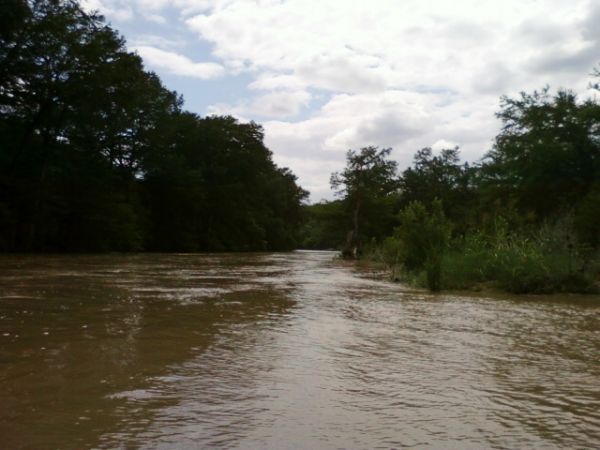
(324, 76)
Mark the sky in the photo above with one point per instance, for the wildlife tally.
(326, 76)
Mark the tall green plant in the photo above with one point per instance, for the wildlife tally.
(545, 260)
(368, 178)
(424, 235)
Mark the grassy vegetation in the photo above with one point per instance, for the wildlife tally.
(545, 260)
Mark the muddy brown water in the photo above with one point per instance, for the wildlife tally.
(275, 351)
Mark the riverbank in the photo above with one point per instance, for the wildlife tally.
(459, 272)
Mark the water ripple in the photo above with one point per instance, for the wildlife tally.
(284, 351)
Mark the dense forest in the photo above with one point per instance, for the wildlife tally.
(526, 218)
(97, 155)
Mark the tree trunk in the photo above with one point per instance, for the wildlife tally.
(351, 248)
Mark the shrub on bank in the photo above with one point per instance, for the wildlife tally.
(544, 261)
(420, 241)
(519, 265)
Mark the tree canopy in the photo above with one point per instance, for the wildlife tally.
(96, 154)
(547, 156)
(367, 180)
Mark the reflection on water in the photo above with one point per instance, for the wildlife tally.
(283, 351)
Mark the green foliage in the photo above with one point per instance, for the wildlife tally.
(424, 233)
(587, 218)
(97, 155)
(12, 15)
(220, 190)
(420, 242)
(526, 220)
(440, 176)
(368, 172)
(544, 261)
(366, 186)
(464, 226)
(547, 156)
(321, 226)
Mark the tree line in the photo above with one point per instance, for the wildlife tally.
(526, 218)
(97, 155)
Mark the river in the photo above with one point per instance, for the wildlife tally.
(286, 350)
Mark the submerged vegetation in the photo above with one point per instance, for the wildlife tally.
(526, 219)
(97, 155)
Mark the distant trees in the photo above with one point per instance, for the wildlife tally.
(440, 176)
(366, 182)
(96, 154)
(525, 219)
(323, 225)
(547, 157)
(220, 190)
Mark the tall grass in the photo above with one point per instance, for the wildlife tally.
(545, 260)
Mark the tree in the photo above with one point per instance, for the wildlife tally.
(440, 177)
(369, 177)
(321, 225)
(75, 112)
(96, 154)
(547, 156)
(211, 184)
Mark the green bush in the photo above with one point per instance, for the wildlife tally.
(420, 242)
(545, 261)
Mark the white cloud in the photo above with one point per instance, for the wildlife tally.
(279, 104)
(340, 74)
(358, 47)
(405, 74)
(386, 119)
(178, 64)
(113, 10)
(270, 81)
(443, 144)
(403, 120)
(156, 18)
(154, 40)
